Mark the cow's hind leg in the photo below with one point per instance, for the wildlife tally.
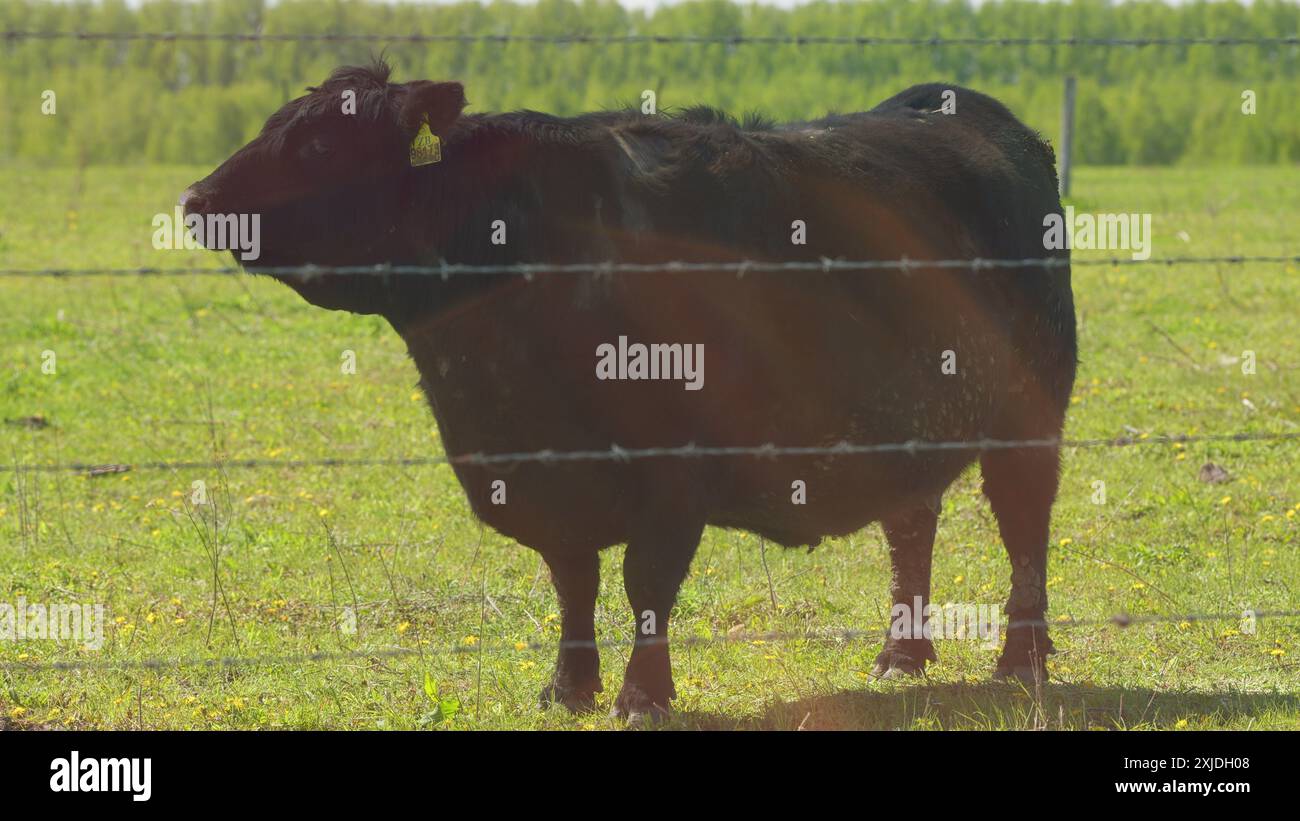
(656, 561)
(577, 671)
(910, 534)
(1021, 487)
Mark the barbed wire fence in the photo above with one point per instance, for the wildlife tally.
(843, 636)
(688, 451)
(614, 267)
(615, 453)
(934, 41)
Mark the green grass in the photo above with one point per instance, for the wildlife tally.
(189, 368)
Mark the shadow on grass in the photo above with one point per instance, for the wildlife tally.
(994, 706)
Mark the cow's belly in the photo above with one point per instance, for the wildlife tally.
(832, 373)
(835, 496)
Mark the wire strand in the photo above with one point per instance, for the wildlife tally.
(937, 41)
(609, 267)
(1121, 620)
(615, 453)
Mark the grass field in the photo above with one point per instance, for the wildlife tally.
(195, 368)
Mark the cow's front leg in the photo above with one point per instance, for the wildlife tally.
(577, 670)
(654, 565)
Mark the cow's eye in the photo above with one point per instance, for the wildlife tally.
(316, 148)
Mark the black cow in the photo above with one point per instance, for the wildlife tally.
(811, 358)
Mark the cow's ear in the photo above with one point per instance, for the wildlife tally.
(439, 104)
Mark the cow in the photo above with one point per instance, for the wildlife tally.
(517, 361)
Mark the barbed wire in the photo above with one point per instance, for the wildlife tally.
(615, 453)
(609, 267)
(578, 38)
(841, 636)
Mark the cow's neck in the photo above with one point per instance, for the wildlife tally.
(498, 197)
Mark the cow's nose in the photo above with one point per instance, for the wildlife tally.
(192, 202)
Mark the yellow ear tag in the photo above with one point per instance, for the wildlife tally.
(426, 148)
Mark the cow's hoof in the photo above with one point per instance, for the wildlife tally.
(1027, 674)
(897, 667)
(897, 661)
(900, 672)
(638, 709)
(1024, 657)
(577, 698)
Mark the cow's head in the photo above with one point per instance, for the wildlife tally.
(331, 178)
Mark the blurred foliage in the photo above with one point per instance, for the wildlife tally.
(121, 101)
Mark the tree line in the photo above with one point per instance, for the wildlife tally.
(194, 102)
